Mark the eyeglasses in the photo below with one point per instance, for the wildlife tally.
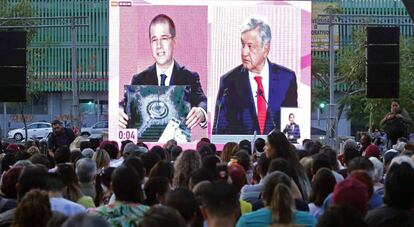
(163, 40)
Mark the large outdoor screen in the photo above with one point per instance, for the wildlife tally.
(219, 49)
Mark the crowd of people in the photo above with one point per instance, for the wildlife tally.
(266, 183)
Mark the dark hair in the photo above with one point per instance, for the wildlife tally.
(263, 164)
(205, 150)
(155, 186)
(341, 216)
(209, 163)
(395, 100)
(332, 156)
(32, 177)
(123, 144)
(137, 165)
(399, 186)
(199, 175)
(277, 195)
(126, 185)
(163, 168)
(33, 210)
(162, 18)
(72, 192)
(259, 144)
(111, 149)
(220, 199)
(243, 158)
(246, 145)
(85, 220)
(175, 152)
(361, 163)
(184, 201)
(159, 151)
(56, 122)
(320, 161)
(10, 178)
(282, 148)
(62, 154)
(280, 164)
(40, 159)
(85, 144)
(104, 177)
(55, 182)
(160, 216)
(149, 160)
(322, 185)
(75, 156)
(350, 153)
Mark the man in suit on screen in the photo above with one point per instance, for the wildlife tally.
(251, 95)
(166, 71)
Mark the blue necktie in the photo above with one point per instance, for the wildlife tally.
(163, 78)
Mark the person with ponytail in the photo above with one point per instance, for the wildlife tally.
(279, 206)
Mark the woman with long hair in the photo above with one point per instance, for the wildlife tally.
(279, 205)
(323, 184)
(186, 163)
(278, 146)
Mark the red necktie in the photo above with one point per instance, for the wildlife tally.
(261, 104)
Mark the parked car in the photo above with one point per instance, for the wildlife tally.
(37, 130)
(95, 129)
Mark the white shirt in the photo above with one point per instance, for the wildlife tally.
(265, 82)
(167, 72)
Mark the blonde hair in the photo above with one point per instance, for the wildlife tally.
(281, 205)
(101, 157)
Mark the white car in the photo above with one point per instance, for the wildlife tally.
(96, 129)
(37, 130)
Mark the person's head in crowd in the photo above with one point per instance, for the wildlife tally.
(205, 150)
(31, 178)
(142, 144)
(103, 185)
(75, 156)
(159, 151)
(163, 168)
(399, 184)
(262, 166)
(311, 147)
(85, 220)
(306, 162)
(33, 150)
(227, 152)
(348, 144)
(149, 160)
(364, 178)
(351, 192)
(388, 157)
(111, 148)
(155, 190)
(126, 185)
(280, 164)
(278, 146)
(137, 165)
(12, 147)
(87, 153)
(8, 161)
(259, 145)
(86, 170)
(169, 145)
(186, 163)
(62, 155)
(85, 144)
(277, 196)
(30, 143)
(184, 201)
(213, 148)
(209, 163)
(40, 159)
(200, 175)
(175, 152)
(55, 183)
(246, 145)
(320, 160)
(9, 181)
(243, 158)
(200, 144)
(361, 163)
(205, 139)
(372, 151)
(341, 216)
(237, 175)
(379, 169)
(332, 156)
(133, 150)
(22, 155)
(23, 163)
(323, 184)
(160, 216)
(72, 190)
(220, 203)
(33, 210)
(349, 154)
(123, 144)
(102, 159)
(365, 140)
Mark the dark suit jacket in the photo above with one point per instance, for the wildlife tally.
(295, 132)
(235, 110)
(180, 76)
